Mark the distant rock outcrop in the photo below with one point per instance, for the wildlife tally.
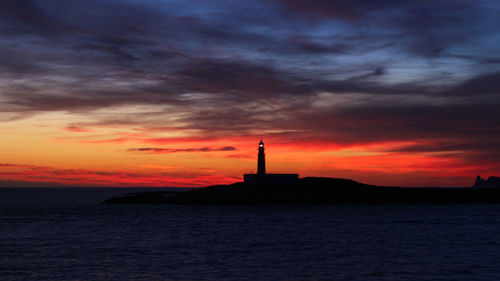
(490, 182)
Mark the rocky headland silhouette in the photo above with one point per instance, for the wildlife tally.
(490, 182)
(312, 191)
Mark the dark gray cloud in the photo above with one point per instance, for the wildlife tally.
(480, 85)
(244, 78)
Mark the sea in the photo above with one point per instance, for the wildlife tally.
(68, 234)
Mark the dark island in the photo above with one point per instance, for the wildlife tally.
(311, 190)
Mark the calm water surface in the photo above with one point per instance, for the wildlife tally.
(66, 234)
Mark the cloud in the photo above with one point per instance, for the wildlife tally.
(32, 175)
(175, 150)
(324, 8)
(480, 85)
(76, 129)
(122, 58)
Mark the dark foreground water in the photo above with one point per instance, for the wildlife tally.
(66, 234)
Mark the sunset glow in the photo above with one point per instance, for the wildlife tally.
(179, 93)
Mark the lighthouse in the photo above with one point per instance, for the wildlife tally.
(261, 163)
(268, 179)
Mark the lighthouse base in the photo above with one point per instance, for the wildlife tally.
(287, 179)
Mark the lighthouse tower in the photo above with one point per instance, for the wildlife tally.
(261, 163)
(268, 179)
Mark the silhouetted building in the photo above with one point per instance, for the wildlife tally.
(262, 178)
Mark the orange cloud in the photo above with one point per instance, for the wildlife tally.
(76, 129)
(160, 150)
(83, 177)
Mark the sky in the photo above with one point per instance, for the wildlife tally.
(179, 93)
